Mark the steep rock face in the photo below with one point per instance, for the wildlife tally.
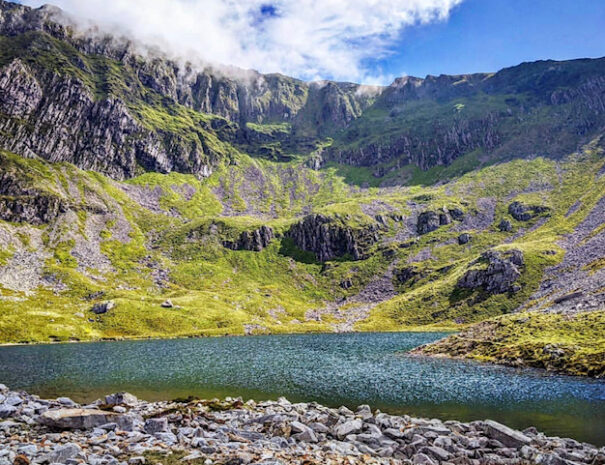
(500, 275)
(543, 107)
(255, 240)
(442, 147)
(21, 204)
(61, 121)
(34, 210)
(328, 239)
(60, 102)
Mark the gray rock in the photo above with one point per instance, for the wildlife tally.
(103, 307)
(505, 226)
(506, 435)
(423, 459)
(7, 411)
(62, 453)
(464, 238)
(364, 412)
(167, 304)
(156, 425)
(522, 212)
(348, 427)
(121, 398)
(83, 419)
(166, 438)
(305, 435)
(66, 401)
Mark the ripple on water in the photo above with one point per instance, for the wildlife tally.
(333, 369)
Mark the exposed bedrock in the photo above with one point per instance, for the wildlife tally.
(255, 240)
(328, 238)
(500, 275)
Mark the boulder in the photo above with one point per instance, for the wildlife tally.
(167, 304)
(103, 307)
(348, 427)
(428, 222)
(464, 238)
(507, 436)
(302, 432)
(505, 226)
(121, 398)
(62, 453)
(77, 418)
(156, 425)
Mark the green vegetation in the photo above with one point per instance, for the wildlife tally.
(572, 344)
(171, 247)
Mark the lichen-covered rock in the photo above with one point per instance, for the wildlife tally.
(499, 276)
(328, 238)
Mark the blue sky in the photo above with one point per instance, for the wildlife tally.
(368, 41)
(487, 35)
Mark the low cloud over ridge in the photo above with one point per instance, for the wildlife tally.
(326, 39)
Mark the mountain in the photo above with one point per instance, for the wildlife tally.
(145, 197)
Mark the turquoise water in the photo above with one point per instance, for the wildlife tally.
(334, 369)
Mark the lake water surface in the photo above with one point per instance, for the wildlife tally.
(334, 369)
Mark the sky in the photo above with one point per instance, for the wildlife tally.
(367, 41)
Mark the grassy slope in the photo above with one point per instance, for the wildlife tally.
(218, 291)
(574, 344)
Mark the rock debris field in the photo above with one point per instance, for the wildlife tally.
(122, 430)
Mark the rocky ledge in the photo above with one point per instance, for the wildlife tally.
(122, 430)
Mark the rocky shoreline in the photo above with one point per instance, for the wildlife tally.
(123, 430)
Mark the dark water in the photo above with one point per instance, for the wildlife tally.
(347, 369)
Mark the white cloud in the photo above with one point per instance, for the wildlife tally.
(312, 39)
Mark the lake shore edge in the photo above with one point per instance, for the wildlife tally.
(123, 430)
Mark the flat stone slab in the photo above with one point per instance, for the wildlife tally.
(77, 418)
(507, 436)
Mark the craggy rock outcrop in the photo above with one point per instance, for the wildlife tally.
(505, 226)
(32, 209)
(502, 271)
(522, 212)
(20, 203)
(571, 93)
(407, 275)
(327, 238)
(255, 240)
(431, 221)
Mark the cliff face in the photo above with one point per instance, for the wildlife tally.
(99, 105)
(546, 108)
(327, 238)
